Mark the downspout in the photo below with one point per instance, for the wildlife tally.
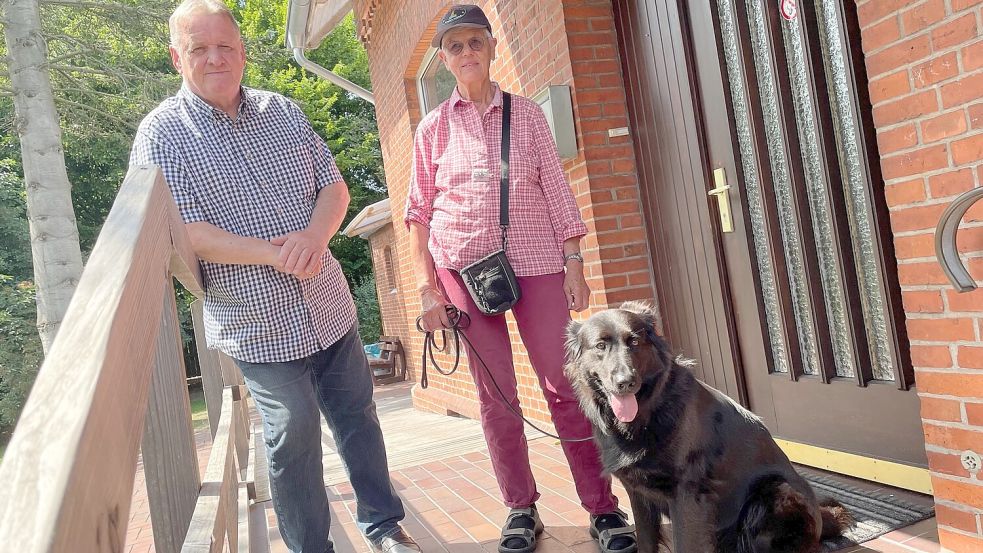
(320, 71)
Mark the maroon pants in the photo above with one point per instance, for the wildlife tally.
(542, 317)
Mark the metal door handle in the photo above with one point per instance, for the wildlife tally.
(723, 199)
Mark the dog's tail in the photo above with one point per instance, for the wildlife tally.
(836, 519)
(775, 518)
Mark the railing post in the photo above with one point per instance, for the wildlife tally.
(233, 377)
(212, 382)
(218, 371)
(170, 458)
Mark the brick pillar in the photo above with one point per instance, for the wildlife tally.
(924, 60)
(608, 176)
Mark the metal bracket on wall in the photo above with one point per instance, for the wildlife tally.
(945, 240)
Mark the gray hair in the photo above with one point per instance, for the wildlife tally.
(194, 7)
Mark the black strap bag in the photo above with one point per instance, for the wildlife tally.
(491, 280)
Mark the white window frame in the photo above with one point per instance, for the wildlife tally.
(424, 87)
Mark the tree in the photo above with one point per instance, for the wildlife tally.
(55, 246)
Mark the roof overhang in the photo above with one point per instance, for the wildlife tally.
(369, 220)
(309, 21)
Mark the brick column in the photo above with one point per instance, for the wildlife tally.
(924, 60)
(607, 182)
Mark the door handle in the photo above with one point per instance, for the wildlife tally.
(945, 240)
(723, 199)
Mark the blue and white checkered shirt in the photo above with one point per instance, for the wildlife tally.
(256, 176)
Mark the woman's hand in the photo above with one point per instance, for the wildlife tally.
(575, 286)
(434, 306)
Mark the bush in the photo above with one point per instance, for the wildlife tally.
(21, 353)
(367, 304)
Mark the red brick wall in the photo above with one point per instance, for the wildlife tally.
(925, 66)
(387, 285)
(540, 43)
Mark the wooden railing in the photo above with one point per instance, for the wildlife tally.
(113, 384)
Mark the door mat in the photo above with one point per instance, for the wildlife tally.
(876, 513)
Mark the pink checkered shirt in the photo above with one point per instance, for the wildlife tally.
(455, 187)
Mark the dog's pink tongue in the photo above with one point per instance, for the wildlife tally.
(625, 407)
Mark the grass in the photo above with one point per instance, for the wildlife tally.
(199, 414)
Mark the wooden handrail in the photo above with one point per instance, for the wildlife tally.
(68, 472)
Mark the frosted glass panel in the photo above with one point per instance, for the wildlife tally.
(752, 188)
(845, 122)
(819, 202)
(787, 216)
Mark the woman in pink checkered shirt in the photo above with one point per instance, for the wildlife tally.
(453, 218)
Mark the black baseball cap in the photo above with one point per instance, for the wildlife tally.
(460, 15)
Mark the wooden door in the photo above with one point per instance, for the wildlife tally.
(686, 256)
(777, 107)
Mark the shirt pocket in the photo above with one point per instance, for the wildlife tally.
(223, 196)
(525, 186)
(292, 172)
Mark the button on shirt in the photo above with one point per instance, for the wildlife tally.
(455, 187)
(256, 176)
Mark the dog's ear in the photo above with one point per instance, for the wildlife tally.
(647, 313)
(573, 344)
(640, 308)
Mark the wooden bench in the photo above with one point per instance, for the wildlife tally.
(390, 366)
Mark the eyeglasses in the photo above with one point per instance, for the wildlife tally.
(476, 44)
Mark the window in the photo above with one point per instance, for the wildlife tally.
(434, 82)
(390, 269)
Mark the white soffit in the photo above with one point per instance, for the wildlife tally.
(309, 21)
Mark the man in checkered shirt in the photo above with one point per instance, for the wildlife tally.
(261, 196)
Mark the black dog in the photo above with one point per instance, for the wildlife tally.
(685, 450)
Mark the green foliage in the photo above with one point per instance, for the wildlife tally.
(367, 304)
(188, 347)
(15, 246)
(21, 352)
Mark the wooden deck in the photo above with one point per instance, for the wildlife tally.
(440, 469)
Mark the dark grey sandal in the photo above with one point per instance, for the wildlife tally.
(613, 529)
(521, 529)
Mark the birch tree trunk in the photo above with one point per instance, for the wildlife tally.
(54, 234)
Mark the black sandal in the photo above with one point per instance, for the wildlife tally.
(520, 530)
(613, 533)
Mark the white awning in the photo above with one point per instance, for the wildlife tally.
(370, 219)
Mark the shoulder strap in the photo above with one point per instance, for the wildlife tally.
(503, 214)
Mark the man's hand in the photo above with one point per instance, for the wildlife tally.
(575, 286)
(300, 253)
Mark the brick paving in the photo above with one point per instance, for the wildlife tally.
(451, 497)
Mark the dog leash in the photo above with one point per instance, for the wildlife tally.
(459, 321)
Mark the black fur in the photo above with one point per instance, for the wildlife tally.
(690, 453)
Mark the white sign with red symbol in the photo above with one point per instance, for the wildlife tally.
(789, 9)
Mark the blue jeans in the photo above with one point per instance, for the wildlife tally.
(288, 395)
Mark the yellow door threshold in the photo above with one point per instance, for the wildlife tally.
(876, 470)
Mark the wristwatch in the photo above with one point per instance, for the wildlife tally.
(574, 255)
